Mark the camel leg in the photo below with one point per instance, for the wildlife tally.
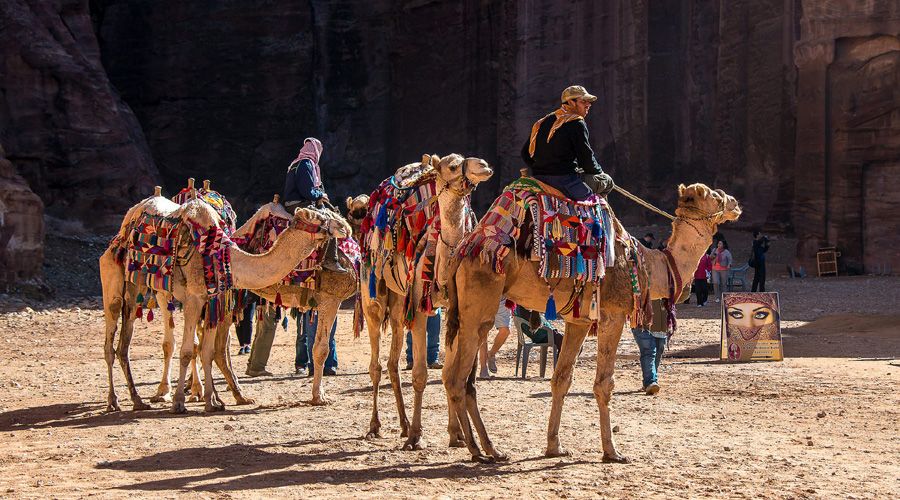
(461, 367)
(112, 277)
(196, 386)
(193, 306)
(472, 405)
(122, 350)
(373, 313)
(398, 338)
(560, 383)
(327, 311)
(607, 341)
(457, 438)
(223, 361)
(164, 391)
(419, 380)
(207, 352)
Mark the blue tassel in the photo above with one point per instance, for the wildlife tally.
(579, 263)
(595, 229)
(550, 310)
(171, 306)
(381, 220)
(140, 298)
(372, 284)
(284, 322)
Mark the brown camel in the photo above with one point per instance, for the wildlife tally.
(455, 178)
(332, 289)
(356, 212)
(189, 287)
(476, 288)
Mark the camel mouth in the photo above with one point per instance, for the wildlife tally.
(477, 170)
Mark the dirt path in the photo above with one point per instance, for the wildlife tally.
(821, 424)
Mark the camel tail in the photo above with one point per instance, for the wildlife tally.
(453, 305)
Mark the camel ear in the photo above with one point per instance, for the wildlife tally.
(435, 160)
(349, 202)
(681, 188)
(426, 159)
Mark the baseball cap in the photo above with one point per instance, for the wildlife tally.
(577, 92)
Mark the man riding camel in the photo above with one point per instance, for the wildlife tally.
(558, 150)
(303, 188)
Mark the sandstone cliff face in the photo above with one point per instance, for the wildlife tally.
(21, 227)
(62, 125)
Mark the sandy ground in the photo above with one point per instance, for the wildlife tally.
(821, 424)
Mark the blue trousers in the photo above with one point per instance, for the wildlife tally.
(306, 339)
(651, 349)
(433, 329)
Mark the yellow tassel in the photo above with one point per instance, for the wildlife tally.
(388, 241)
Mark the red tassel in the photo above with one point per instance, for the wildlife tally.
(510, 305)
(139, 313)
(576, 309)
(150, 315)
(278, 299)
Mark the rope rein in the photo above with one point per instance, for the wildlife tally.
(643, 203)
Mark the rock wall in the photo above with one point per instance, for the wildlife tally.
(63, 126)
(21, 227)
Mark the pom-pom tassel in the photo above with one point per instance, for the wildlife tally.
(171, 306)
(284, 322)
(140, 298)
(388, 241)
(381, 220)
(550, 309)
(372, 283)
(595, 229)
(139, 312)
(278, 299)
(510, 304)
(150, 315)
(579, 263)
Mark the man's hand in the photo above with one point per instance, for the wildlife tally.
(601, 184)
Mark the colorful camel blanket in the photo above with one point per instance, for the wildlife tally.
(570, 240)
(215, 200)
(265, 231)
(150, 248)
(404, 219)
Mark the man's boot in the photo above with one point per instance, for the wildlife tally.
(332, 261)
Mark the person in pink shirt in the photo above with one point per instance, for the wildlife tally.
(720, 266)
(701, 275)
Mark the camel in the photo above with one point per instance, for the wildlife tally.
(333, 288)
(476, 288)
(356, 212)
(189, 287)
(455, 178)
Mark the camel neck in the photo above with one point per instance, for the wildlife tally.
(252, 271)
(688, 244)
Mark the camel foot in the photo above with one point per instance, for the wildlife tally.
(374, 434)
(559, 451)
(213, 406)
(140, 405)
(457, 443)
(413, 443)
(499, 456)
(318, 401)
(161, 398)
(241, 400)
(193, 398)
(112, 407)
(615, 459)
(483, 459)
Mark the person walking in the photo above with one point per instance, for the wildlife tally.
(488, 358)
(721, 265)
(433, 343)
(307, 324)
(758, 261)
(559, 153)
(244, 327)
(701, 277)
(651, 342)
(262, 342)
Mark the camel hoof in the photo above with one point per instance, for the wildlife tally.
(178, 407)
(161, 398)
(499, 456)
(558, 452)
(241, 400)
(113, 407)
(414, 443)
(212, 407)
(615, 459)
(482, 459)
(318, 402)
(375, 434)
(193, 398)
(140, 405)
(457, 443)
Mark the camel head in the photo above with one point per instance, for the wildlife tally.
(461, 175)
(699, 201)
(356, 208)
(330, 223)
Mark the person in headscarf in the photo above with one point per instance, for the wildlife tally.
(559, 153)
(303, 187)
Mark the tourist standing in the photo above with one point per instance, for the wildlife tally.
(701, 277)
(758, 261)
(720, 267)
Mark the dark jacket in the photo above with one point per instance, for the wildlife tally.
(567, 153)
(300, 185)
(760, 247)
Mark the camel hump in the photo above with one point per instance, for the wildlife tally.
(199, 212)
(414, 173)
